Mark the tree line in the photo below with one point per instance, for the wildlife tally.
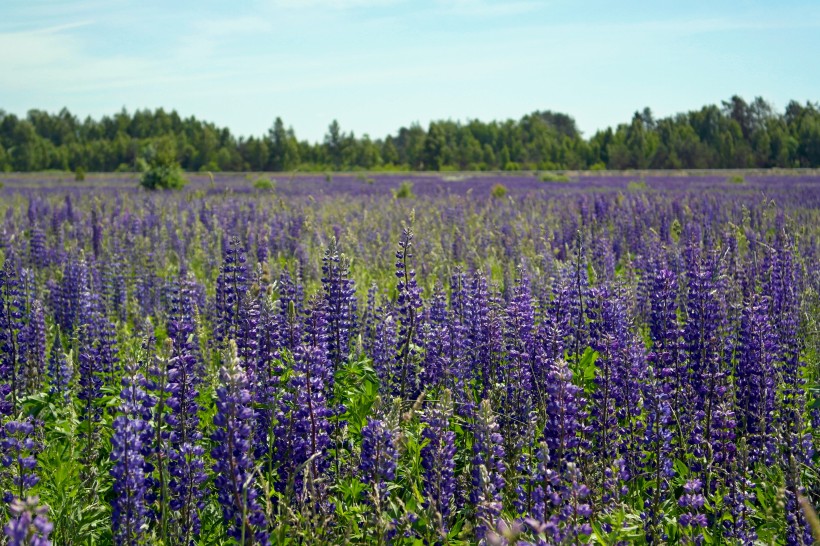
(734, 134)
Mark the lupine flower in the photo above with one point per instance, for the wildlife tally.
(32, 339)
(29, 524)
(488, 469)
(308, 416)
(438, 461)
(11, 322)
(38, 253)
(755, 380)
(379, 457)
(231, 286)
(186, 466)
(60, 372)
(233, 455)
(340, 299)
(692, 518)
(408, 304)
(131, 430)
(19, 448)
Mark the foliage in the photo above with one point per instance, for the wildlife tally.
(79, 174)
(637, 185)
(163, 172)
(555, 177)
(264, 184)
(163, 177)
(404, 191)
(499, 191)
(734, 134)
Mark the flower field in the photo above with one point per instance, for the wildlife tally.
(410, 359)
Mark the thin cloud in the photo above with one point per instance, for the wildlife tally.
(331, 4)
(486, 8)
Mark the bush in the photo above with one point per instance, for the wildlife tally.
(79, 174)
(499, 191)
(736, 179)
(600, 166)
(554, 177)
(637, 185)
(405, 191)
(264, 184)
(163, 177)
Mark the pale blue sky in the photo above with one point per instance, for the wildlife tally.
(376, 65)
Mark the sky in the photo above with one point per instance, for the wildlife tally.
(377, 65)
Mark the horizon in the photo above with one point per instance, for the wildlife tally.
(378, 65)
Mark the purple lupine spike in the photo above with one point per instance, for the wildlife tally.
(435, 368)
(379, 458)
(616, 403)
(309, 413)
(114, 287)
(97, 335)
(247, 333)
(11, 323)
(521, 392)
(29, 524)
(157, 362)
(438, 461)
(90, 378)
(186, 467)
(486, 333)
(290, 308)
(658, 459)
(692, 518)
(340, 300)
(68, 296)
(488, 469)
(783, 286)
(369, 321)
(132, 429)
(385, 340)
(408, 306)
(269, 372)
(569, 524)
(38, 251)
(33, 344)
(233, 457)
(60, 371)
(232, 285)
(19, 447)
(756, 389)
(667, 343)
(565, 416)
(704, 334)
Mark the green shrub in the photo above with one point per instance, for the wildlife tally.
(637, 185)
(163, 177)
(555, 177)
(512, 166)
(264, 184)
(79, 174)
(405, 191)
(499, 191)
(736, 179)
(600, 166)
